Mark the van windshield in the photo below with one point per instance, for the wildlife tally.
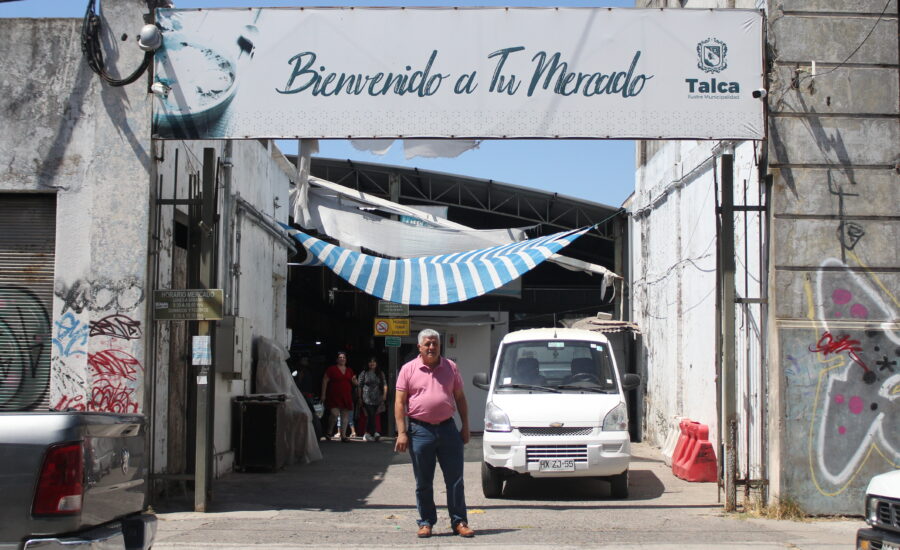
(568, 365)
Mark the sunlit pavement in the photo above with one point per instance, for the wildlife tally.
(362, 496)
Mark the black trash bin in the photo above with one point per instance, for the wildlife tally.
(258, 424)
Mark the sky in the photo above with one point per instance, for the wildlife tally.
(599, 171)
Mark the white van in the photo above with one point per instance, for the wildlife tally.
(555, 408)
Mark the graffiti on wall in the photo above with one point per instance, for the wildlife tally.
(71, 336)
(853, 357)
(100, 295)
(848, 232)
(117, 326)
(112, 378)
(24, 348)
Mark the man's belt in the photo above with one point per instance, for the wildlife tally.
(423, 423)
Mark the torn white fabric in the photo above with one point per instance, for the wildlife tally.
(374, 146)
(305, 149)
(437, 148)
(434, 210)
(364, 199)
(356, 229)
(427, 148)
(573, 264)
(274, 376)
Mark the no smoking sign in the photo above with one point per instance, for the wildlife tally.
(391, 327)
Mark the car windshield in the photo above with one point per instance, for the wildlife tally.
(556, 365)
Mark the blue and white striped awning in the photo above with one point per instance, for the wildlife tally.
(435, 280)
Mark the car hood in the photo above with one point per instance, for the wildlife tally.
(543, 409)
(885, 485)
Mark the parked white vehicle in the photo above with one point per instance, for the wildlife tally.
(882, 514)
(555, 408)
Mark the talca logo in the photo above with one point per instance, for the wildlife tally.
(712, 55)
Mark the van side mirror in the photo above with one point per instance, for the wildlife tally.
(631, 381)
(481, 381)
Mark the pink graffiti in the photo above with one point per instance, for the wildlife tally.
(838, 399)
(113, 371)
(828, 345)
(859, 311)
(856, 404)
(841, 296)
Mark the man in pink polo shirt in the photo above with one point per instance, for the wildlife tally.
(429, 392)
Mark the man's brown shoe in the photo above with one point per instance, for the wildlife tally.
(424, 531)
(463, 530)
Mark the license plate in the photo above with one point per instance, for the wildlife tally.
(556, 465)
(889, 546)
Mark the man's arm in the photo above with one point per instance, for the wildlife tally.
(463, 407)
(400, 400)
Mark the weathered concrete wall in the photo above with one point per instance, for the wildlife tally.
(261, 176)
(65, 132)
(836, 206)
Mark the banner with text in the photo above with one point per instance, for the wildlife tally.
(459, 73)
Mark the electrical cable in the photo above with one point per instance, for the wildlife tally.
(93, 51)
(797, 81)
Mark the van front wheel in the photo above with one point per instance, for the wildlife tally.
(618, 485)
(491, 481)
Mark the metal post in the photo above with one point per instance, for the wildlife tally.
(228, 229)
(727, 273)
(205, 376)
(618, 265)
(393, 353)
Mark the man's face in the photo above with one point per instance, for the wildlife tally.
(430, 349)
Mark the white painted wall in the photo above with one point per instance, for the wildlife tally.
(673, 254)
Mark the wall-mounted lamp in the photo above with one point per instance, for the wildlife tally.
(150, 38)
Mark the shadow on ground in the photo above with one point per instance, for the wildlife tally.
(341, 481)
(643, 485)
(350, 472)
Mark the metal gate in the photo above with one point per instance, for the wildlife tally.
(27, 247)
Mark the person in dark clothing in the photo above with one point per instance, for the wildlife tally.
(373, 387)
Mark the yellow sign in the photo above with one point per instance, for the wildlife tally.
(188, 305)
(391, 326)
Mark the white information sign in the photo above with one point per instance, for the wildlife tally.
(201, 351)
(460, 73)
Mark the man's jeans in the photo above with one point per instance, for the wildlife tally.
(443, 444)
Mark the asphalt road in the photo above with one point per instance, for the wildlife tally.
(362, 496)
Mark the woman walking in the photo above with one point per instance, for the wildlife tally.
(337, 394)
(374, 393)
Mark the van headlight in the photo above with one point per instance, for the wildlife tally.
(495, 420)
(871, 510)
(616, 420)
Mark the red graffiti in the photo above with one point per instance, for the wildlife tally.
(67, 403)
(113, 370)
(827, 344)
